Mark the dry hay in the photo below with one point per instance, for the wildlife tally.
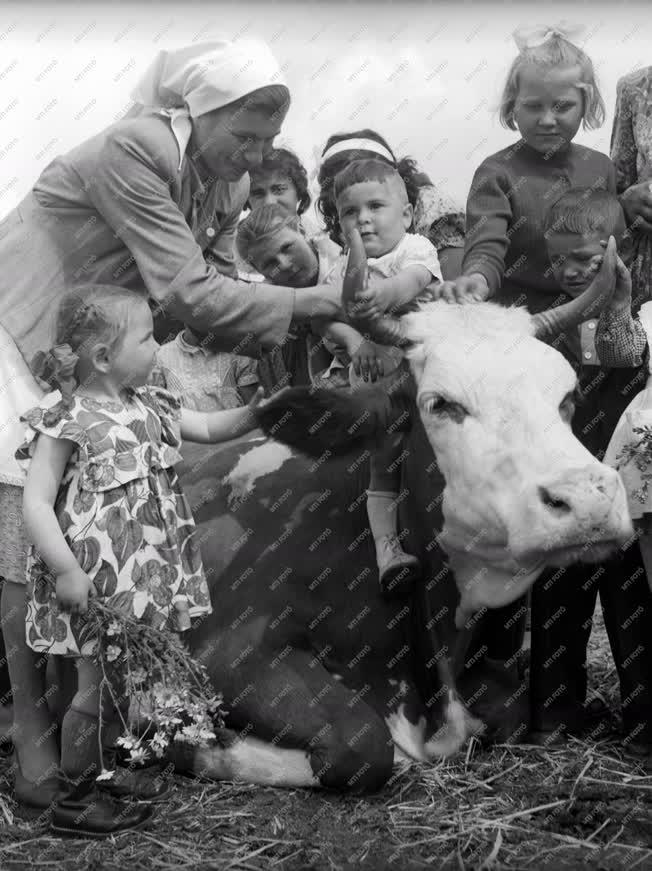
(510, 807)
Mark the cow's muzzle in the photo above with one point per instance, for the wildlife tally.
(581, 514)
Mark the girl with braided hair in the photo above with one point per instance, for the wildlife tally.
(106, 516)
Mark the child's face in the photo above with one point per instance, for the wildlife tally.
(549, 109)
(268, 188)
(286, 258)
(575, 259)
(379, 210)
(133, 361)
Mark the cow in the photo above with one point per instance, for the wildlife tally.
(327, 682)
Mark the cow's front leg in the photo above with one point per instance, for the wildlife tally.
(297, 724)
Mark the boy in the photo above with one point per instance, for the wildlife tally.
(207, 380)
(610, 356)
(271, 239)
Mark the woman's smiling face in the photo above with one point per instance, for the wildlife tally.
(231, 142)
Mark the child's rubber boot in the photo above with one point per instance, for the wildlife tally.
(397, 570)
(84, 812)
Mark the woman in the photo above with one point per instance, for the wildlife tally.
(152, 200)
(435, 215)
(631, 153)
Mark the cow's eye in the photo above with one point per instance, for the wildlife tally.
(439, 406)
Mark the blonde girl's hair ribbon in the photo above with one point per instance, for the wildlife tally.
(56, 367)
(357, 145)
(531, 37)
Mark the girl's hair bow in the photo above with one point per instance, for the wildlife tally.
(531, 37)
(56, 367)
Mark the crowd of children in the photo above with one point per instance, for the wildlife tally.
(539, 217)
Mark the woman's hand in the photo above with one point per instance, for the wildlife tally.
(637, 204)
(465, 289)
(367, 361)
(73, 590)
(323, 301)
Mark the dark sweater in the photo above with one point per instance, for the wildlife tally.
(510, 195)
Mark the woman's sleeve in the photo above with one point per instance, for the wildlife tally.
(623, 145)
(130, 190)
(488, 216)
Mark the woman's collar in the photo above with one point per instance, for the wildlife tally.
(181, 127)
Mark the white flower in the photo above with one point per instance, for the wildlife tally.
(137, 754)
(105, 775)
(138, 675)
(113, 628)
(113, 652)
(160, 740)
(195, 734)
(127, 741)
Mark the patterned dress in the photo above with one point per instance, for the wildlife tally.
(122, 512)
(631, 153)
(630, 448)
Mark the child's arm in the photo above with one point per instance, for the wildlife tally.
(488, 217)
(365, 357)
(391, 294)
(219, 426)
(43, 480)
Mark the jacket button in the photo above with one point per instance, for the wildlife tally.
(591, 325)
(210, 232)
(587, 355)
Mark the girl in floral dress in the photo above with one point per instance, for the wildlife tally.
(106, 516)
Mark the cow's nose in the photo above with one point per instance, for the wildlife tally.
(590, 487)
(554, 502)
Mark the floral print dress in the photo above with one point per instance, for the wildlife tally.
(122, 512)
(631, 153)
(630, 448)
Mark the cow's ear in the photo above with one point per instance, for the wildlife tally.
(316, 421)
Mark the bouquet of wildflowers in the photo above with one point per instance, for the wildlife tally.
(171, 699)
(639, 452)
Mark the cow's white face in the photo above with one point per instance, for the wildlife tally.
(521, 491)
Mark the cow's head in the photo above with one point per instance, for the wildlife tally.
(496, 403)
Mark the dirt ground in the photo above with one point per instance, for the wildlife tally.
(511, 807)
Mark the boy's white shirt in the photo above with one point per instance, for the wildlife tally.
(412, 250)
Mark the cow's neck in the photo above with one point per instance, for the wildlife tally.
(484, 583)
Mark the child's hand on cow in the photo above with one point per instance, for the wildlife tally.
(73, 588)
(373, 302)
(367, 361)
(464, 289)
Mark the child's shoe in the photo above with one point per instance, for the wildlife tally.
(140, 786)
(86, 813)
(397, 570)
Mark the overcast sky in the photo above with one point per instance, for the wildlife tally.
(426, 75)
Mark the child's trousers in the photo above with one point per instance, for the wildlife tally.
(563, 600)
(563, 603)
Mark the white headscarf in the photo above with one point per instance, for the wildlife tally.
(188, 82)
